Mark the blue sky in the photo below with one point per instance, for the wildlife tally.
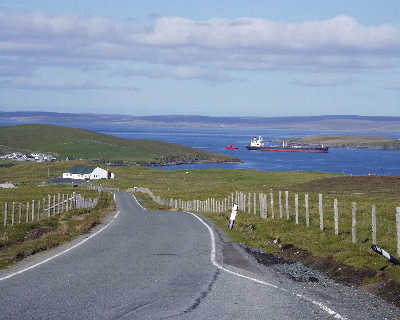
(219, 58)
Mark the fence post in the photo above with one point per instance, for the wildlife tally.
(287, 205)
(54, 204)
(265, 204)
(336, 212)
(27, 212)
(44, 207)
(307, 210)
(33, 210)
(249, 204)
(38, 210)
(271, 195)
(12, 213)
(280, 205)
(255, 203)
(49, 206)
(373, 224)
(58, 204)
(321, 213)
(296, 204)
(19, 212)
(354, 223)
(398, 230)
(5, 214)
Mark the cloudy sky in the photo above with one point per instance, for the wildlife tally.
(219, 58)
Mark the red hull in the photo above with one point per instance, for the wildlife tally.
(285, 149)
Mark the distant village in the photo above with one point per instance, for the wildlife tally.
(34, 157)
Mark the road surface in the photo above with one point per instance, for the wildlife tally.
(168, 265)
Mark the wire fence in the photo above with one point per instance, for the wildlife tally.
(35, 210)
(358, 222)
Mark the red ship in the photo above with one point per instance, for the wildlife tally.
(231, 147)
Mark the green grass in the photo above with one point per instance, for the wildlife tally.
(20, 241)
(83, 144)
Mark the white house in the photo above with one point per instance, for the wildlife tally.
(88, 173)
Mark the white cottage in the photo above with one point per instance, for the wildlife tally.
(88, 173)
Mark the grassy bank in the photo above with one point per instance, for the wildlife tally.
(20, 241)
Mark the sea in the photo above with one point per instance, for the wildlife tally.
(338, 160)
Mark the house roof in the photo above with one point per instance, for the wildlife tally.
(82, 169)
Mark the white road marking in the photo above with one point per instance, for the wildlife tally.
(214, 262)
(63, 252)
(138, 202)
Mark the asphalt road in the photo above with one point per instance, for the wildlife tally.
(168, 265)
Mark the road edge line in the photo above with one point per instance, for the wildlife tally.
(62, 252)
(219, 266)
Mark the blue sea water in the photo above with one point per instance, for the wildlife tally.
(348, 161)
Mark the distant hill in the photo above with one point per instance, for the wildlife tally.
(351, 141)
(83, 144)
(347, 123)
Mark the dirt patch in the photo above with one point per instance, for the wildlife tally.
(38, 232)
(289, 254)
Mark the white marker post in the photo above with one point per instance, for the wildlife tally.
(233, 216)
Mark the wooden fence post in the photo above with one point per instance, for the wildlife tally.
(287, 205)
(12, 213)
(19, 212)
(336, 212)
(307, 210)
(265, 204)
(58, 204)
(33, 210)
(354, 223)
(296, 204)
(27, 212)
(38, 210)
(49, 206)
(373, 217)
(54, 204)
(280, 205)
(249, 204)
(44, 207)
(321, 213)
(398, 230)
(255, 203)
(5, 214)
(271, 196)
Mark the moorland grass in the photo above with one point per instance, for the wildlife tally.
(20, 241)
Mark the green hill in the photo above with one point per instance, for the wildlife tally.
(351, 141)
(66, 142)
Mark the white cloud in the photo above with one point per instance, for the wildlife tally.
(199, 49)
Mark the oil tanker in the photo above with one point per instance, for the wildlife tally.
(258, 144)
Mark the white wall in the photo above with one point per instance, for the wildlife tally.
(98, 173)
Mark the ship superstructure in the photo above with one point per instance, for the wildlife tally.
(258, 144)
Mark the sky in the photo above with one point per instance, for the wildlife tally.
(216, 58)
